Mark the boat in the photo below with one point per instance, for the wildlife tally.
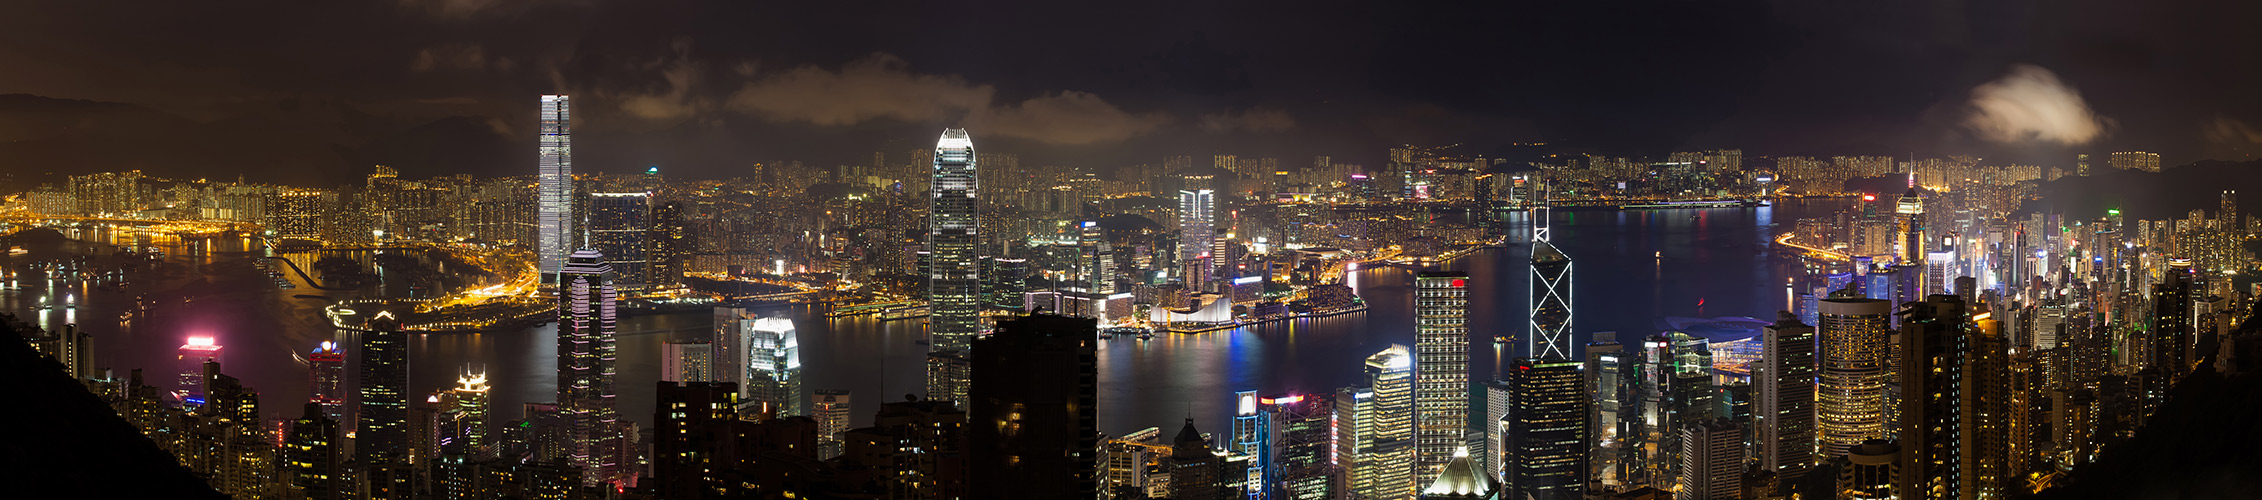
(1661, 254)
(1500, 340)
(1107, 336)
(1146, 336)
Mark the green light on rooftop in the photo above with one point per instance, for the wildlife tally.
(2114, 211)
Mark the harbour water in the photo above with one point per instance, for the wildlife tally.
(1631, 268)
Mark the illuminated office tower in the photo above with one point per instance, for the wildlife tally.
(1197, 222)
(1785, 382)
(1712, 461)
(471, 407)
(687, 361)
(1375, 430)
(728, 359)
(2081, 165)
(1609, 370)
(1248, 441)
(773, 370)
(1853, 337)
(2171, 320)
(586, 325)
(831, 408)
(311, 455)
(381, 424)
(554, 195)
(190, 358)
(1548, 430)
(1441, 370)
(1550, 297)
(1936, 416)
(1496, 396)
(327, 368)
(1677, 392)
(954, 276)
(1299, 461)
(620, 227)
(1910, 212)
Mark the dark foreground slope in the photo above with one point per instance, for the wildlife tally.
(63, 442)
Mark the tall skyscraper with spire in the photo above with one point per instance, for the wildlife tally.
(554, 191)
(1550, 295)
(586, 322)
(954, 278)
(1441, 370)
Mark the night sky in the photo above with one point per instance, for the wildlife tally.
(314, 92)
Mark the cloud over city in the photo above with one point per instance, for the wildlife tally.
(2030, 104)
(883, 86)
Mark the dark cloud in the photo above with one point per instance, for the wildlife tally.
(707, 86)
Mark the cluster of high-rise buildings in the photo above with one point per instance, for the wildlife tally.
(1943, 344)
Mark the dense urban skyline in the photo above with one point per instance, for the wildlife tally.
(1254, 252)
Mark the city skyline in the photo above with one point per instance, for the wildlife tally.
(1239, 251)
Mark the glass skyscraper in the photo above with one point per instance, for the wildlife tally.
(619, 227)
(1197, 226)
(1550, 303)
(554, 198)
(1849, 408)
(1375, 428)
(1441, 370)
(954, 277)
(773, 368)
(1548, 431)
(586, 322)
(381, 431)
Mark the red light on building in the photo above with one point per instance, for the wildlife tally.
(1459, 283)
(1868, 197)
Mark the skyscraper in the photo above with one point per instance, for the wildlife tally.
(1934, 346)
(381, 430)
(1910, 212)
(1248, 441)
(831, 408)
(733, 330)
(1785, 380)
(954, 277)
(773, 369)
(2171, 334)
(1197, 224)
(1550, 299)
(1712, 458)
(1034, 421)
(620, 228)
(554, 199)
(311, 455)
(471, 408)
(1299, 461)
(1854, 335)
(586, 322)
(1441, 369)
(1548, 430)
(670, 240)
(327, 367)
(686, 361)
(1375, 429)
(191, 358)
